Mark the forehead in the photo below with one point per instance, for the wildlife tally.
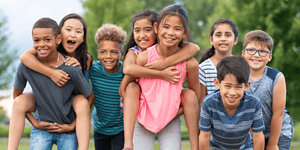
(73, 23)
(108, 45)
(224, 27)
(229, 78)
(172, 20)
(257, 45)
(37, 32)
(142, 22)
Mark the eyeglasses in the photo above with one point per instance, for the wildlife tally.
(252, 51)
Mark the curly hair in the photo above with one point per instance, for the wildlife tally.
(111, 32)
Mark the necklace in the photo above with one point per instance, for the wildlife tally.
(57, 60)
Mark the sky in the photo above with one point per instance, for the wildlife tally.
(22, 14)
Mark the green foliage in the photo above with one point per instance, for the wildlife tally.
(2, 116)
(6, 57)
(99, 12)
(281, 20)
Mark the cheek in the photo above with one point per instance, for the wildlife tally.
(152, 40)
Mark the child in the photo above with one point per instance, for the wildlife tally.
(143, 36)
(160, 99)
(73, 33)
(54, 104)
(106, 76)
(223, 35)
(228, 113)
(269, 85)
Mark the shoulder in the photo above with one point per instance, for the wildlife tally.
(212, 98)
(206, 65)
(89, 61)
(272, 73)
(142, 58)
(251, 98)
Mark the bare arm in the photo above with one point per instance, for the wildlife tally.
(279, 100)
(258, 140)
(193, 78)
(187, 52)
(91, 99)
(204, 140)
(126, 80)
(203, 92)
(29, 59)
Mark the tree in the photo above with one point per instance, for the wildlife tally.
(99, 12)
(7, 57)
(281, 20)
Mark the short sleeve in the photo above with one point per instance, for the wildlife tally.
(258, 122)
(80, 82)
(20, 80)
(202, 77)
(205, 119)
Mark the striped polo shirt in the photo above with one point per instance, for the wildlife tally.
(106, 115)
(231, 132)
(207, 74)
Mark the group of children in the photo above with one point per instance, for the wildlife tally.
(158, 59)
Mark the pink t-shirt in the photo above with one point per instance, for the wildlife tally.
(160, 99)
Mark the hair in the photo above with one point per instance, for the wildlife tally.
(259, 36)
(211, 51)
(175, 10)
(47, 23)
(111, 32)
(82, 50)
(234, 65)
(150, 15)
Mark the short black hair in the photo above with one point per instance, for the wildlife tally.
(234, 65)
(47, 23)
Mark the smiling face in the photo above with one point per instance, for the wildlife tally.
(143, 32)
(72, 35)
(231, 91)
(44, 41)
(257, 62)
(171, 31)
(109, 55)
(223, 38)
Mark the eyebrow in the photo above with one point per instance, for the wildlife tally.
(75, 27)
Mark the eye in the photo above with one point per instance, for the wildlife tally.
(263, 51)
(218, 34)
(251, 50)
(228, 34)
(68, 29)
(102, 52)
(227, 86)
(166, 27)
(47, 40)
(35, 40)
(79, 31)
(136, 31)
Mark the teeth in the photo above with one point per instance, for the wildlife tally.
(231, 98)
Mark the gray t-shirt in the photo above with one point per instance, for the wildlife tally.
(263, 88)
(54, 103)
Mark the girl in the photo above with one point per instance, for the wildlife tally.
(73, 32)
(142, 37)
(223, 35)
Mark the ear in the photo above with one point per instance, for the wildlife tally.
(185, 33)
(211, 40)
(58, 39)
(243, 53)
(217, 83)
(236, 40)
(247, 86)
(270, 57)
(155, 27)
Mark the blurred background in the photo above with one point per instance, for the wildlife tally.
(279, 18)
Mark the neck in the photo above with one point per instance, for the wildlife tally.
(50, 61)
(217, 57)
(165, 52)
(255, 75)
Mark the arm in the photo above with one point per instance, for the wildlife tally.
(279, 100)
(203, 93)
(28, 58)
(132, 68)
(258, 140)
(193, 78)
(91, 99)
(187, 52)
(126, 80)
(204, 140)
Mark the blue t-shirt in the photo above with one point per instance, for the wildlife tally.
(106, 115)
(231, 132)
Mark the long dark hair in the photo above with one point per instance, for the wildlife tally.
(176, 10)
(149, 15)
(81, 51)
(211, 51)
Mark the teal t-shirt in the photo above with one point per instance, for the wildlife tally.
(106, 115)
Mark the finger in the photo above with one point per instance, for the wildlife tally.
(53, 130)
(62, 80)
(64, 73)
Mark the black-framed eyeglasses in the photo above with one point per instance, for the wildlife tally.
(261, 52)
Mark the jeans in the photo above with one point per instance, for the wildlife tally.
(108, 142)
(43, 140)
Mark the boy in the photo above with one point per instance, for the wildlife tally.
(229, 113)
(106, 77)
(53, 103)
(269, 85)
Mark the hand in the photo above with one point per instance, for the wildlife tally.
(72, 61)
(61, 128)
(44, 125)
(59, 77)
(171, 76)
(272, 147)
(156, 64)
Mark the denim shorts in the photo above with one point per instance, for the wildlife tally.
(43, 140)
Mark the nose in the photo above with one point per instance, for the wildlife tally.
(171, 32)
(256, 54)
(232, 92)
(72, 34)
(41, 43)
(223, 37)
(108, 55)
